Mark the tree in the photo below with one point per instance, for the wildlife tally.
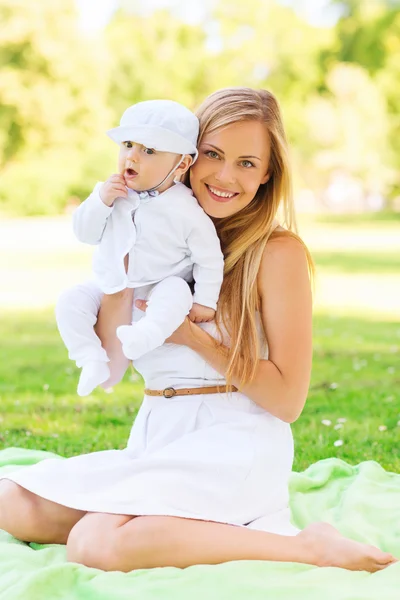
(52, 91)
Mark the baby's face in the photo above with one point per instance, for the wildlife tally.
(144, 168)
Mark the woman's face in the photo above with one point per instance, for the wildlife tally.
(233, 162)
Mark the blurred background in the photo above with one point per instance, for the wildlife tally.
(69, 68)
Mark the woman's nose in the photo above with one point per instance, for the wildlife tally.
(225, 174)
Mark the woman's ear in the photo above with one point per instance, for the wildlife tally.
(265, 178)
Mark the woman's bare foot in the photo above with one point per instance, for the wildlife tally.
(329, 548)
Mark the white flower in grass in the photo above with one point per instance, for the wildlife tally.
(46, 387)
(391, 370)
(333, 386)
(55, 435)
(341, 420)
(398, 423)
(338, 426)
(28, 433)
(326, 422)
(338, 443)
(382, 427)
(109, 390)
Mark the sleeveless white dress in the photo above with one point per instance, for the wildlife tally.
(214, 457)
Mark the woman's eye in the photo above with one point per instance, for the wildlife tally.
(211, 154)
(247, 164)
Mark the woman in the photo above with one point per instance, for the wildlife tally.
(204, 478)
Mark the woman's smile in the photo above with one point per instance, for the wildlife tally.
(232, 164)
(220, 195)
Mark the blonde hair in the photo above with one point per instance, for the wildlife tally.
(245, 234)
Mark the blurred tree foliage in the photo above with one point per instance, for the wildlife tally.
(60, 89)
(52, 105)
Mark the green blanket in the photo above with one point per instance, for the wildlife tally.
(362, 501)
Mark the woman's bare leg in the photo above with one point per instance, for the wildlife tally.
(124, 543)
(30, 518)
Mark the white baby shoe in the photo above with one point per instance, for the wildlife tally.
(139, 338)
(93, 374)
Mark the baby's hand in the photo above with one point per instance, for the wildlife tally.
(201, 314)
(113, 188)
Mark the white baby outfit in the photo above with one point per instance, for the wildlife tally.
(170, 241)
(165, 235)
(214, 457)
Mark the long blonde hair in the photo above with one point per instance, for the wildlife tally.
(245, 234)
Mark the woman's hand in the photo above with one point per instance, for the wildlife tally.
(185, 333)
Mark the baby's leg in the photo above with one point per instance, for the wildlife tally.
(169, 303)
(76, 315)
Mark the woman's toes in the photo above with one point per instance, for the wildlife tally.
(384, 558)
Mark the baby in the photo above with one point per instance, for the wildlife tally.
(149, 231)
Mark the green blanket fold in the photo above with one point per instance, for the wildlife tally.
(363, 502)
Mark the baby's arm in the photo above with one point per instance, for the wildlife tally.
(90, 218)
(208, 267)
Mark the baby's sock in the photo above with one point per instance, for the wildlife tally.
(140, 338)
(93, 374)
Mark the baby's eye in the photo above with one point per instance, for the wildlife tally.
(212, 154)
(148, 151)
(247, 164)
(127, 144)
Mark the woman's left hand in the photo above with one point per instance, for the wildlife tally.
(182, 336)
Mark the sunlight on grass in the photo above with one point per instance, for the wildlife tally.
(353, 408)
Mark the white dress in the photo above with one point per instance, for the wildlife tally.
(215, 457)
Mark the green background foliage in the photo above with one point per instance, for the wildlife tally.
(61, 89)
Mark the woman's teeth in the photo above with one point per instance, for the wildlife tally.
(222, 194)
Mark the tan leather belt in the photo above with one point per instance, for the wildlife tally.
(170, 392)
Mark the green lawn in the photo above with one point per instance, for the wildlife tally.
(356, 374)
(356, 377)
(358, 262)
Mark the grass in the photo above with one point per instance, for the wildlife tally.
(385, 217)
(355, 387)
(358, 262)
(356, 377)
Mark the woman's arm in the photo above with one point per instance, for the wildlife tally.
(281, 383)
(115, 310)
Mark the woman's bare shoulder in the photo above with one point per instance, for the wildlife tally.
(283, 251)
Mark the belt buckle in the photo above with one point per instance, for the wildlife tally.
(169, 392)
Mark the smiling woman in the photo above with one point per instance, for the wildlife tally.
(227, 175)
(204, 476)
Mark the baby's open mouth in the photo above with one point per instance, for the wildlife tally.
(130, 173)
